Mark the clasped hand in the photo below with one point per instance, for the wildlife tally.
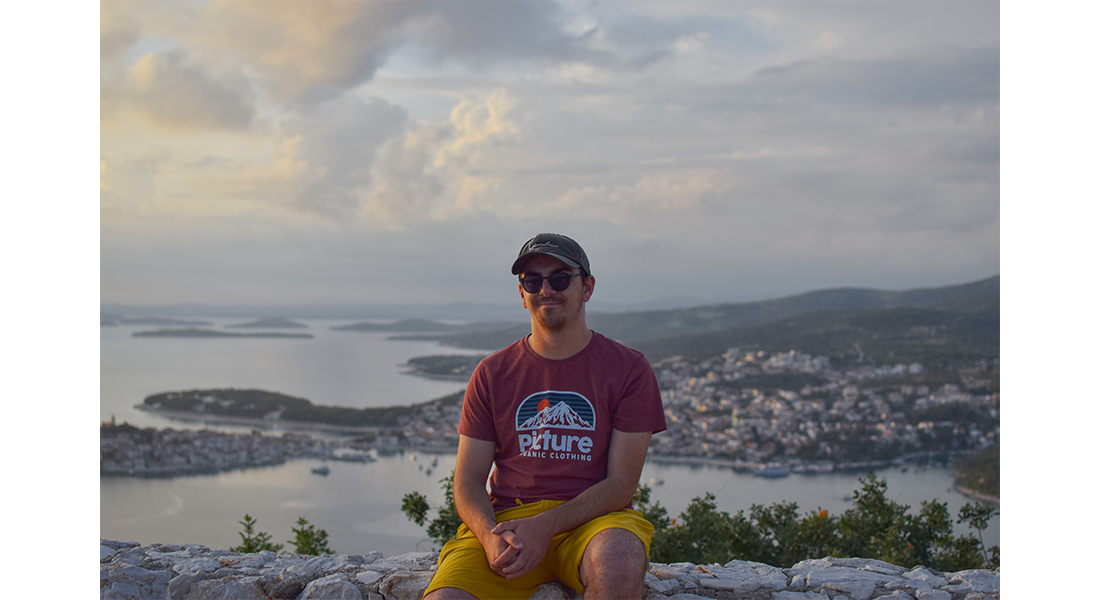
(520, 546)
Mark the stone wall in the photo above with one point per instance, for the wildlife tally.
(162, 571)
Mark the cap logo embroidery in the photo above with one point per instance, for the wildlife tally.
(534, 246)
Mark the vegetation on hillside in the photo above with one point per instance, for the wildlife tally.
(981, 472)
(938, 339)
(875, 527)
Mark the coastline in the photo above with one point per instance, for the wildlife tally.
(268, 424)
(973, 495)
(277, 425)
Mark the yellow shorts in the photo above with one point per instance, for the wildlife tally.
(463, 565)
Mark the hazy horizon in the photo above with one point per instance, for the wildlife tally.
(453, 310)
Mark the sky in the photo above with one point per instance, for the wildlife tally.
(402, 152)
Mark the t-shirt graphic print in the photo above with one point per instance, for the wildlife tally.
(550, 424)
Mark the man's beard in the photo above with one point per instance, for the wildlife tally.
(557, 320)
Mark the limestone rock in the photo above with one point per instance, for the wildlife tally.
(332, 587)
(405, 585)
(129, 571)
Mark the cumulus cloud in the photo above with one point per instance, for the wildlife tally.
(176, 95)
(118, 30)
(432, 172)
(311, 52)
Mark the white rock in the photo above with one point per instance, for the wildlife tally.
(332, 587)
(976, 581)
(863, 564)
(897, 595)
(120, 590)
(657, 584)
(228, 589)
(729, 585)
(105, 552)
(817, 578)
(788, 595)
(933, 595)
(660, 585)
(405, 585)
(410, 561)
(858, 590)
(550, 591)
(922, 574)
(368, 577)
(744, 572)
(206, 565)
(176, 554)
(180, 585)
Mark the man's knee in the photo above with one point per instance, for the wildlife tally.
(614, 557)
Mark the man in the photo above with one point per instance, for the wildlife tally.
(565, 416)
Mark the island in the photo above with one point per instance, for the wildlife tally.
(192, 332)
(450, 367)
(270, 323)
(265, 408)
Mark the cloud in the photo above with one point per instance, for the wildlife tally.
(821, 143)
(432, 172)
(341, 139)
(118, 30)
(305, 53)
(173, 94)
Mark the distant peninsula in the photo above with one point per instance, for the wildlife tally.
(270, 323)
(404, 326)
(255, 406)
(108, 319)
(446, 368)
(192, 332)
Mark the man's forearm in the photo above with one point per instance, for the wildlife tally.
(626, 457)
(604, 497)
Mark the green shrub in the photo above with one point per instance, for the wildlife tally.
(308, 540)
(251, 541)
(874, 527)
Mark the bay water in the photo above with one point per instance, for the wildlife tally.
(359, 504)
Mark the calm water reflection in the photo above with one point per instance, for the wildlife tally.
(360, 504)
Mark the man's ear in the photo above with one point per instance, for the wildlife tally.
(522, 296)
(589, 287)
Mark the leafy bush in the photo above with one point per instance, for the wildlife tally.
(251, 541)
(444, 526)
(308, 540)
(875, 527)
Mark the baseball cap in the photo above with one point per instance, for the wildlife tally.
(556, 245)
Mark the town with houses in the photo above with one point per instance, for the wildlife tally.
(733, 409)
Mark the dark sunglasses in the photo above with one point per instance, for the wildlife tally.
(559, 281)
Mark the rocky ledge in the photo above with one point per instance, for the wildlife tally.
(163, 571)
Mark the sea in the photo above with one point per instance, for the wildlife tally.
(359, 504)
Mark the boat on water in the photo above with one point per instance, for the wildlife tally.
(322, 470)
(773, 471)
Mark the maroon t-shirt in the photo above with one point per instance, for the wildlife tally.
(551, 420)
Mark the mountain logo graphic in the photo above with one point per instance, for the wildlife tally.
(560, 410)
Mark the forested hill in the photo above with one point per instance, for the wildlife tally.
(648, 325)
(932, 325)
